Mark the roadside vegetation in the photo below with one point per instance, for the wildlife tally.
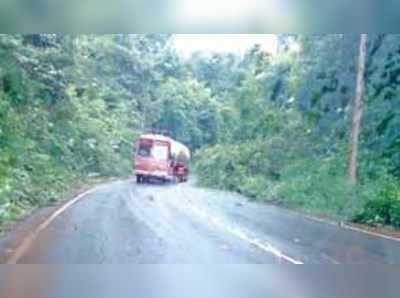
(272, 127)
(286, 132)
(71, 108)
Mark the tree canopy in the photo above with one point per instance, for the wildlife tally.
(270, 126)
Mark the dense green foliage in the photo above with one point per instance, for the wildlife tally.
(72, 106)
(272, 127)
(286, 138)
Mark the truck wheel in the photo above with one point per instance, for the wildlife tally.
(139, 179)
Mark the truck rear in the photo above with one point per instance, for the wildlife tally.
(162, 158)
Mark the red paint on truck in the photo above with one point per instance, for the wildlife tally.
(161, 157)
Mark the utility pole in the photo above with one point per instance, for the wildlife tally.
(357, 110)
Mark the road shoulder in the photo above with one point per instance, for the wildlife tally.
(15, 233)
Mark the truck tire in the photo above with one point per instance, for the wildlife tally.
(139, 179)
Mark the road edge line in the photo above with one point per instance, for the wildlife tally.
(347, 226)
(360, 230)
(31, 237)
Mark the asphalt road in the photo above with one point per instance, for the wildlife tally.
(123, 223)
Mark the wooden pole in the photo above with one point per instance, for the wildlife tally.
(357, 110)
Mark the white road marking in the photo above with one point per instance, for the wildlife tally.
(349, 227)
(263, 245)
(27, 242)
(346, 226)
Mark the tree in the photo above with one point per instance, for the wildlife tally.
(357, 113)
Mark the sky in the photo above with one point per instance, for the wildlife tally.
(228, 15)
(187, 44)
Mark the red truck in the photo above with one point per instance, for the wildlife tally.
(162, 158)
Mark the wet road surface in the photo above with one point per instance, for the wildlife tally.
(198, 281)
(122, 222)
